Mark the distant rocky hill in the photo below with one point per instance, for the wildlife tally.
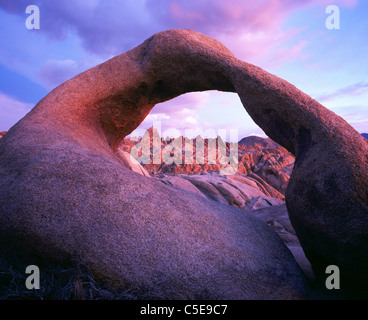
(255, 140)
(365, 135)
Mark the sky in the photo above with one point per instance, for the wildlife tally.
(285, 37)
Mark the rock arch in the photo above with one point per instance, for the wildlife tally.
(63, 191)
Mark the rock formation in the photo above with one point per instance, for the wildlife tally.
(246, 191)
(277, 218)
(129, 162)
(251, 140)
(263, 168)
(64, 192)
(238, 191)
(264, 157)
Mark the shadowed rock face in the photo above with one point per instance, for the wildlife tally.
(63, 189)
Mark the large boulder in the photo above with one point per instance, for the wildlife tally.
(277, 218)
(64, 192)
(129, 162)
(251, 140)
(235, 190)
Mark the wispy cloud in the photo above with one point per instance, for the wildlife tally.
(179, 113)
(356, 116)
(54, 72)
(356, 89)
(11, 110)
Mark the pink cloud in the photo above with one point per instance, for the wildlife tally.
(180, 14)
(194, 101)
(349, 3)
(290, 54)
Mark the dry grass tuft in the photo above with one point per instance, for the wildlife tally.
(58, 282)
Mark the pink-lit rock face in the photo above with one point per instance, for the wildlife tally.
(260, 181)
(263, 156)
(64, 192)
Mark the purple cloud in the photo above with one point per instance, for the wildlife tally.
(356, 89)
(253, 30)
(112, 27)
(55, 72)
